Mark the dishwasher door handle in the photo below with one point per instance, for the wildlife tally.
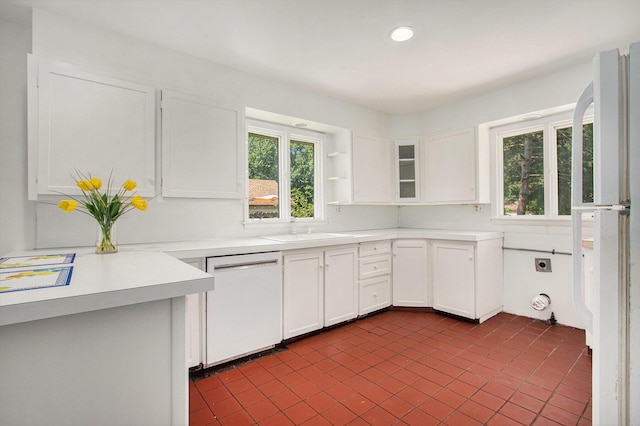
(243, 266)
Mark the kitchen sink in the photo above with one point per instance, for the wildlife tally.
(306, 237)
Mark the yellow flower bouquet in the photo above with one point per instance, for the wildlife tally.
(105, 207)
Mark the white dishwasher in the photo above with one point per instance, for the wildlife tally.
(244, 313)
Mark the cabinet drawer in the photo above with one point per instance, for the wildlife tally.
(375, 294)
(372, 249)
(374, 266)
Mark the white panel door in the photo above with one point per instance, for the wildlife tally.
(202, 146)
(340, 285)
(372, 170)
(449, 165)
(93, 124)
(410, 281)
(303, 293)
(454, 288)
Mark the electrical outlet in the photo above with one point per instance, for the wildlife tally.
(543, 264)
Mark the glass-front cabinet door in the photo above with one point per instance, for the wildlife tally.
(406, 151)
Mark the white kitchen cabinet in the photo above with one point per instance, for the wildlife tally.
(407, 176)
(89, 123)
(202, 147)
(195, 321)
(467, 277)
(303, 282)
(374, 275)
(320, 289)
(375, 294)
(410, 280)
(372, 169)
(454, 168)
(340, 285)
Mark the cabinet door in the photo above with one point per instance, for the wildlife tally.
(407, 170)
(410, 281)
(89, 123)
(372, 170)
(340, 285)
(454, 286)
(202, 142)
(303, 293)
(449, 167)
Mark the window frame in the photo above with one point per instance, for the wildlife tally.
(285, 135)
(548, 123)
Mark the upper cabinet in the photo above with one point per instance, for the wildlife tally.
(202, 142)
(90, 124)
(372, 170)
(454, 168)
(107, 127)
(407, 170)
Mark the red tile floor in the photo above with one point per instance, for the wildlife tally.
(408, 368)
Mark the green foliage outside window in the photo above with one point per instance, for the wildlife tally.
(264, 165)
(302, 179)
(523, 160)
(563, 138)
(523, 171)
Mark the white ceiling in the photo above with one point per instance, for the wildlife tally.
(341, 47)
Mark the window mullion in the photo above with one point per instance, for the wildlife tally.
(551, 172)
(285, 178)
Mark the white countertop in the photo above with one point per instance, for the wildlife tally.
(230, 246)
(146, 272)
(105, 281)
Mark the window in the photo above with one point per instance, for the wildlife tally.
(533, 161)
(283, 173)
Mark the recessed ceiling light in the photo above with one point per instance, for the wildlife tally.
(401, 34)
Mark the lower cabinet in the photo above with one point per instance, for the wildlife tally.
(319, 289)
(374, 274)
(467, 277)
(340, 289)
(303, 291)
(410, 280)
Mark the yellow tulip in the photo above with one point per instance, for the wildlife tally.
(96, 183)
(85, 185)
(139, 203)
(129, 185)
(68, 205)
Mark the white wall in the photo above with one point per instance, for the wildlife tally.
(17, 215)
(26, 225)
(107, 53)
(521, 280)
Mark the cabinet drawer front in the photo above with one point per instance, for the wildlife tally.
(372, 249)
(375, 294)
(374, 266)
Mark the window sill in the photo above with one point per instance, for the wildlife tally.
(564, 221)
(302, 224)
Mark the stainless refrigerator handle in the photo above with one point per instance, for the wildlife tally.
(586, 99)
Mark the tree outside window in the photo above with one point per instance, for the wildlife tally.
(536, 168)
(274, 193)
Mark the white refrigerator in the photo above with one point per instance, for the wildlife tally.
(613, 314)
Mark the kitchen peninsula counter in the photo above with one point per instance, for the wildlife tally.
(108, 348)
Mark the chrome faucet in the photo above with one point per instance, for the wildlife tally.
(294, 226)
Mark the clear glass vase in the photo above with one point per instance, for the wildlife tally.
(106, 239)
